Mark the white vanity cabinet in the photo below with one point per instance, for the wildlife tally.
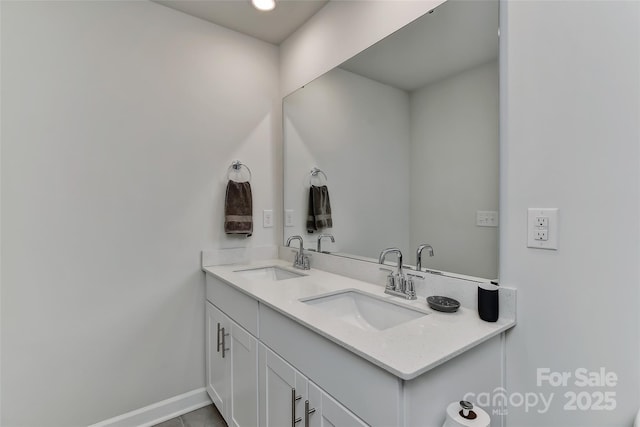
(249, 383)
(283, 391)
(217, 367)
(273, 364)
(370, 392)
(288, 398)
(329, 412)
(231, 369)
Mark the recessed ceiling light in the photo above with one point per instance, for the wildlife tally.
(264, 5)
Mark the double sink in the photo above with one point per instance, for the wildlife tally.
(357, 308)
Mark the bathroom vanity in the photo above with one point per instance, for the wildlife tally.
(415, 118)
(313, 348)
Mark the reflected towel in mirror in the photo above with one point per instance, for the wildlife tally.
(319, 209)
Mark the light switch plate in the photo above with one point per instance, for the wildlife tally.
(267, 218)
(288, 218)
(542, 228)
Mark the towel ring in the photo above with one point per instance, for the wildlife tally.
(236, 167)
(314, 173)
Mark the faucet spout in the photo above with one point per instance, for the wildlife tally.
(387, 251)
(301, 261)
(419, 255)
(301, 248)
(322, 236)
(292, 238)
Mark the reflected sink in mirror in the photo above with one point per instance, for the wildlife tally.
(271, 273)
(364, 311)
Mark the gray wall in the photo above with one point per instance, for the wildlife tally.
(357, 131)
(571, 127)
(454, 170)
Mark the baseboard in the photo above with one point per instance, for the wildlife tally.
(161, 411)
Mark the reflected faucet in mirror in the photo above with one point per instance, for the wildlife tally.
(301, 261)
(322, 236)
(419, 255)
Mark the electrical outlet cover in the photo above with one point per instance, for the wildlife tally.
(487, 218)
(552, 228)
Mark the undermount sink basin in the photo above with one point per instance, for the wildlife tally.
(268, 273)
(364, 311)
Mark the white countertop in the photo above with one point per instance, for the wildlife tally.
(407, 350)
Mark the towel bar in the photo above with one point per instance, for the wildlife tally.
(314, 173)
(236, 166)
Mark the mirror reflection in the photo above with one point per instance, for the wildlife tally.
(406, 135)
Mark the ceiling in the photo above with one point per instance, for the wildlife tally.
(455, 37)
(272, 27)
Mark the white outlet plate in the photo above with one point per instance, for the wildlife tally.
(486, 218)
(536, 220)
(288, 218)
(267, 218)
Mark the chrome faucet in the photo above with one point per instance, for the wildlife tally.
(301, 261)
(397, 283)
(320, 237)
(388, 251)
(419, 255)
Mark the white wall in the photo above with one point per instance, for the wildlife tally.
(119, 121)
(571, 131)
(368, 124)
(454, 170)
(340, 30)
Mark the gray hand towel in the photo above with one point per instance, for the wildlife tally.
(319, 209)
(238, 209)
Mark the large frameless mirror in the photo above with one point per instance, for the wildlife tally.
(406, 136)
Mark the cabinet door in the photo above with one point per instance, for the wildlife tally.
(217, 367)
(283, 392)
(328, 412)
(244, 378)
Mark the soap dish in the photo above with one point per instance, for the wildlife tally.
(445, 304)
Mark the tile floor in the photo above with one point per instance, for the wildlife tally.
(203, 417)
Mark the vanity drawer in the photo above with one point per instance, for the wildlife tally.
(238, 306)
(368, 391)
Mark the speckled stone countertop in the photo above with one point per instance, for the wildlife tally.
(406, 350)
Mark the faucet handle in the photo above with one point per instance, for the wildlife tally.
(391, 282)
(401, 282)
(302, 261)
(411, 289)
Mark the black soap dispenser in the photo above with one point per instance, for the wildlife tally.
(488, 307)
